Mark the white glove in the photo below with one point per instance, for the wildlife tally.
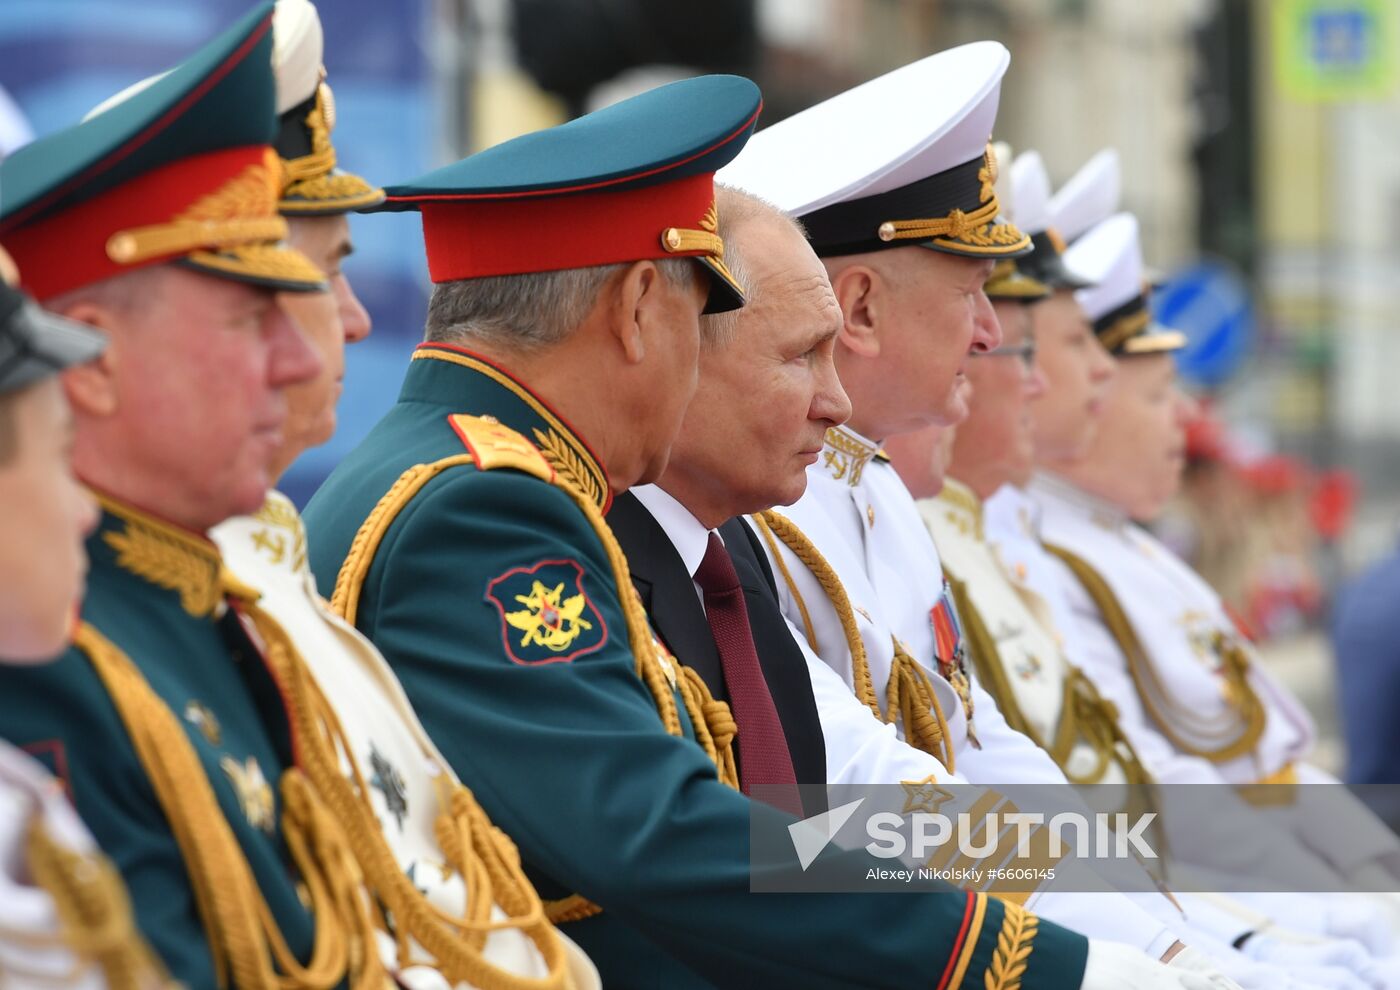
(1327, 978)
(1371, 919)
(1298, 952)
(1114, 966)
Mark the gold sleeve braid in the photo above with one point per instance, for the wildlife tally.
(482, 855)
(245, 942)
(910, 695)
(1156, 698)
(711, 719)
(94, 913)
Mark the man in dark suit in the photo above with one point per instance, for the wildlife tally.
(699, 569)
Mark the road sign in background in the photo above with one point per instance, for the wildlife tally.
(1210, 303)
(1326, 50)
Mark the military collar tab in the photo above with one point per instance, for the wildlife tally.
(962, 502)
(846, 454)
(165, 555)
(567, 452)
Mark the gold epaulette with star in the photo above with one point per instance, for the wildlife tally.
(494, 445)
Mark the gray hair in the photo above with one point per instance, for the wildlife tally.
(528, 311)
(737, 210)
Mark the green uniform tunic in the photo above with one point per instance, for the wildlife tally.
(154, 592)
(493, 598)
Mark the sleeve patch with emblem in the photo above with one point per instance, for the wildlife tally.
(546, 617)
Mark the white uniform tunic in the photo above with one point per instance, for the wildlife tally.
(1181, 625)
(865, 524)
(1026, 656)
(31, 951)
(404, 770)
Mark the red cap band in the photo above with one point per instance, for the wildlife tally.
(66, 251)
(473, 238)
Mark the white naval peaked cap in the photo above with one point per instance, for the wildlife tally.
(1030, 193)
(891, 161)
(313, 185)
(1030, 211)
(1089, 197)
(298, 50)
(1117, 302)
(1111, 255)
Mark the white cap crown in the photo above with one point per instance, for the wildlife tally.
(906, 125)
(1089, 197)
(1110, 255)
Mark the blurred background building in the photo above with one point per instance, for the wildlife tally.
(1259, 150)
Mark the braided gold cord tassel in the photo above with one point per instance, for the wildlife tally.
(242, 934)
(713, 724)
(909, 695)
(481, 854)
(1157, 700)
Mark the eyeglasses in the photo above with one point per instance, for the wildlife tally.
(1024, 351)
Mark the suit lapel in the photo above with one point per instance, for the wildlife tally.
(667, 591)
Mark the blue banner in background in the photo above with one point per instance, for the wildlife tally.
(60, 58)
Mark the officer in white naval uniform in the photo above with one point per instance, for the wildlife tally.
(1015, 648)
(757, 422)
(1014, 652)
(65, 917)
(1012, 522)
(361, 742)
(1221, 706)
(906, 220)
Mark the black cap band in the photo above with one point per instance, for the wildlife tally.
(1046, 263)
(1119, 325)
(954, 210)
(294, 138)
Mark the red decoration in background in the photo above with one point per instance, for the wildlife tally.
(1333, 503)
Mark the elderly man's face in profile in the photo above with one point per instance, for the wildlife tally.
(768, 394)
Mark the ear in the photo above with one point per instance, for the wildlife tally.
(91, 388)
(632, 308)
(858, 289)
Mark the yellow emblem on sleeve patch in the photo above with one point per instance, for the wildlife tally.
(546, 616)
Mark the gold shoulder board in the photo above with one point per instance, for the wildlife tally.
(492, 444)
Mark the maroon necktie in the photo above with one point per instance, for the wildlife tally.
(763, 749)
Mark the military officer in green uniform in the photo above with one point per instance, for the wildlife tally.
(156, 221)
(466, 538)
(359, 740)
(65, 915)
